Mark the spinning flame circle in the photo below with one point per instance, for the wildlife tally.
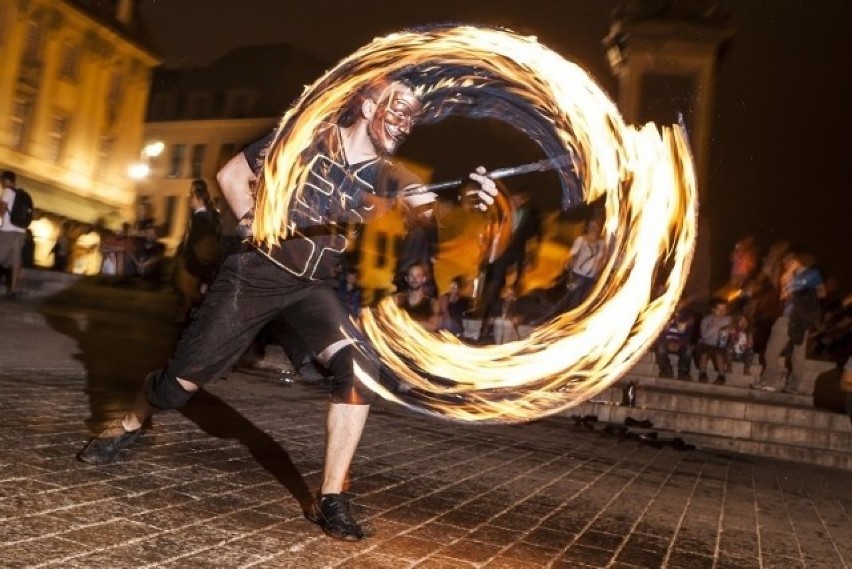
(644, 175)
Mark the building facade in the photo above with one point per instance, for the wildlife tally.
(74, 84)
(192, 149)
(204, 116)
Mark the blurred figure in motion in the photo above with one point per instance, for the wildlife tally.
(453, 307)
(61, 249)
(198, 253)
(801, 290)
(350, 292)
(526, 227)
(147, 256)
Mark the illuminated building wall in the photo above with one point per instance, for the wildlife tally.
(74, 82)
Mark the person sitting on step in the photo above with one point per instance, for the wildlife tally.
(713, 342)
(676, 339)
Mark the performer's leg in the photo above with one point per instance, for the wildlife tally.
(344, 425)
(797, 367)
(231, 315)
(321, 320)
(778, 339)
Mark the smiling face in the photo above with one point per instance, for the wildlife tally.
(390, 117)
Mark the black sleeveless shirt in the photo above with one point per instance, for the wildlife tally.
(332, 198)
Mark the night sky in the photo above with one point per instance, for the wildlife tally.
(780, 165)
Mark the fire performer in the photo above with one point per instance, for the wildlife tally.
(350, 177)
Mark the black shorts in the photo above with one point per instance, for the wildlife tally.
(248, 293)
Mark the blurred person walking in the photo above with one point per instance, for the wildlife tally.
(801, 290)
(61, 249)
(453, 307)
(198, 253)
(526, 227)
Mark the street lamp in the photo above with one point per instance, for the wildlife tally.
(140, 170)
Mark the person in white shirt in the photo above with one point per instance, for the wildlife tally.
(12, 237)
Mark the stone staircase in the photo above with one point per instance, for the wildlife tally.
(732, 417)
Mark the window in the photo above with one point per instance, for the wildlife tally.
(57, 135)
(114, 95)
(200, 105)
(197, 166)
(163, 107)
(238, 103)
(104, 154)
(176, 160)
(19, 121)
(32, 43)
(70, 61)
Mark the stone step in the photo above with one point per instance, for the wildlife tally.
(744, 428)
(729, 402)
(793, 453)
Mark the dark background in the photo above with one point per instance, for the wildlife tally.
(780, 166)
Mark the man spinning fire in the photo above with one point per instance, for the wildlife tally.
(349, 177)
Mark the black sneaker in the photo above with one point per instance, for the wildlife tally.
(720, 380)
(702, 377)
(336, 520)
(105, 450)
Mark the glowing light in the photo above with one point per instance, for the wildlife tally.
(153, 149)
(644, 175)
(138, 171)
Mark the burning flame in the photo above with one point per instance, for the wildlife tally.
(645, 176)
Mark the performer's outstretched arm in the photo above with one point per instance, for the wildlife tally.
(485, 193)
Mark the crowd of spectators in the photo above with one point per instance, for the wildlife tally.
(774, 312)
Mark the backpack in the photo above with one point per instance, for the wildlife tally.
(22, 209)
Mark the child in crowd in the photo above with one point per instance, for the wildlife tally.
(741, 342)
(676, 339)
(713, 343)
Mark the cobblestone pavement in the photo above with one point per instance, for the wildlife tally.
(219, 484)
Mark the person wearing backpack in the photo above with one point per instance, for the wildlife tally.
(12, 233)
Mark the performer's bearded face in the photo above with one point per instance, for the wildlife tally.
(396, 110)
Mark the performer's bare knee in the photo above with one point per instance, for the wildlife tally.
(348, 388)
